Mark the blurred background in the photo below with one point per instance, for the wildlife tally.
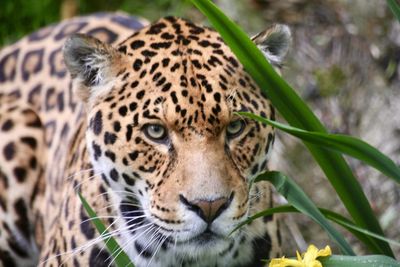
(344, 62)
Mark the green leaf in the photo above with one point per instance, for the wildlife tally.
(297, 114)
(357, 231)
(342, 143)
(360, 233)
(395, 7)
(359, 261)
(121, 259)
(296, 197)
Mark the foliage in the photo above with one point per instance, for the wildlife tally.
(359, 261)
(25, 16)
(395, 7)
(17, 22)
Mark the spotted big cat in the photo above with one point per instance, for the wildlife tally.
(140, 119)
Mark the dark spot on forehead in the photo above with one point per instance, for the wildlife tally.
(140, 94)
(137, 44)
(165, 62)
(156, 28)
(148, 53)
(122, 111)
(204, 43)
(137, 64)
(166, 87)
(122, 49)
(167, 36)
(161, 45)
(154, 67)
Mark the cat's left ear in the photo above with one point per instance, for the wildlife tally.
(92, 64)
(274, 42)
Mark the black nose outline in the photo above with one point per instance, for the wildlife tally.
(198, 207)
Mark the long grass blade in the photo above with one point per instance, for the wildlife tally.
(395, 7)
(359, 261)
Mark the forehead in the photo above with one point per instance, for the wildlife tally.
(177, 38)
(188, 72)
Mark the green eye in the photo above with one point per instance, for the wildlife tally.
(155, 132)
(234, 128)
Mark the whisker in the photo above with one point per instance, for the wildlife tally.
(151, 240)
(120, 230)
(92, 242)
(79, 172)
(122, 191)
(116, 206)
(122, 248)
(99, 217)
(158, 246)
(85, 180)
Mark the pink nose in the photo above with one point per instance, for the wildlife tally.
(208, 210)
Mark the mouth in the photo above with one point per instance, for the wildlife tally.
(206, 237)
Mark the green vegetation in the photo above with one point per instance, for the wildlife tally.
(21, 17)
(17, 22)
(329, 81)
(395, 7)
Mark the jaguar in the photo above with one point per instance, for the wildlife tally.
(139, 119)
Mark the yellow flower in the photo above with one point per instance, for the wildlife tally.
(309, 258)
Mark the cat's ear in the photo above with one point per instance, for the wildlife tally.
(90, 62)
(274, 42)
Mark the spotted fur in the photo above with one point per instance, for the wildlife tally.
(81, 113)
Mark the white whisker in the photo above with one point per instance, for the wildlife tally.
(124, 246)
(161, 242)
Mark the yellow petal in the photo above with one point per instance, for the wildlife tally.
(310, 255)
(283, 262)
(324, 252)
(309, 258)
(298, 256)
(313, 253)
